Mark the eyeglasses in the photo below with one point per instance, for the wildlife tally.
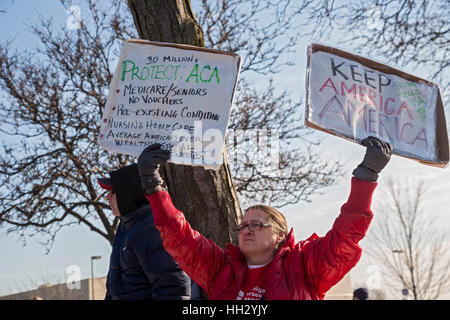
(251, 226)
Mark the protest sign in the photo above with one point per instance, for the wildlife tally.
(354, 97)
(177, 95)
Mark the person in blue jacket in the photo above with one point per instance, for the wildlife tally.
(140, 268)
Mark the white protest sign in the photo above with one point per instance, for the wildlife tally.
(176, 95)
(354, 97)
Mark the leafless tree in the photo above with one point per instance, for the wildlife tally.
(263, 32)
(406, 243)
(299, 172)
(53, 97)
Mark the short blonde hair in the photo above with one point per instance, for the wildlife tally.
(275, 217)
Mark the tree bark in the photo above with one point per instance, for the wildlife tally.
(208, 198)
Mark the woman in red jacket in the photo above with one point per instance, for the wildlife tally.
(267, 264)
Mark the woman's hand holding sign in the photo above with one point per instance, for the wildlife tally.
(378, 154)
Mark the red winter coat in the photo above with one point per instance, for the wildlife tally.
(302, 271)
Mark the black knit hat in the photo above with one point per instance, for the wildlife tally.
(126, 184)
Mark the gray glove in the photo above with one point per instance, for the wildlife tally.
(148, 165)
(378, 154)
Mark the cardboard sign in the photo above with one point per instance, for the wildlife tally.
(355, 97)
(177, 95)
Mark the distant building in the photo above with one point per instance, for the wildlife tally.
(62, 291)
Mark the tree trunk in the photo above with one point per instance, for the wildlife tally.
(208, 198)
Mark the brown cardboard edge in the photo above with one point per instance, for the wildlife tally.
(428, 163)
(238, 72)
(183, 47)
(441, 131)
(442, 144)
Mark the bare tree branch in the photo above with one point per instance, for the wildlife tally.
(54, 95)
(406, 243)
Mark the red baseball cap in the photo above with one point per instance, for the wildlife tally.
(105, 183)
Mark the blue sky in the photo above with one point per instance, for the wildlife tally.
(25, 267)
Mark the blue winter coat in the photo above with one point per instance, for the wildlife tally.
(140, 268)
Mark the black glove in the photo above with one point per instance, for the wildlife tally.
(148, 165)
(378, 154)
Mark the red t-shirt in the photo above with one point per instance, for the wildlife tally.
(253, 286)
